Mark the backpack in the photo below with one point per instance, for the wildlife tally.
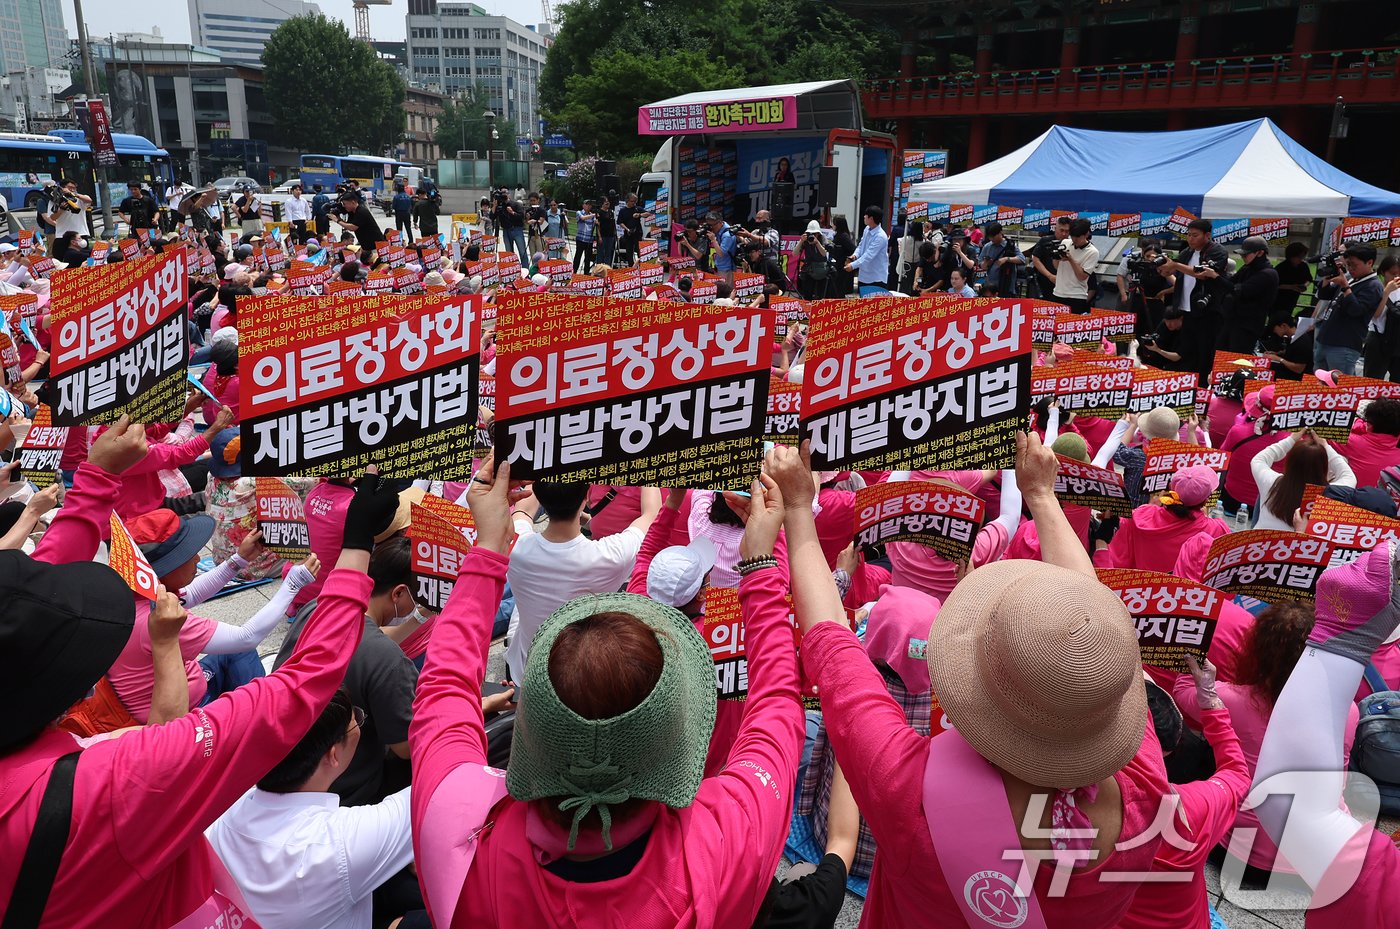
(1376, 751)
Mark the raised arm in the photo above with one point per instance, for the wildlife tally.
(229, 639)
(658, 537)
(1210, 806)
(1036, 467)
(1114, 440)
(170, 694)
(83, 521)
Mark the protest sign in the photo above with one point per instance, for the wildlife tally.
(704, 291)
(747, 286)
(126, 558)
(437, 550)
(408, 281)
(624, 283)
(1118, 362)
(328, 387)
(1173, 617)
(1267, 564)
(723, 629)
(1089, 390)
(1227, 364)
(42, 448)
(940, 383)
(282, 519)
(782, 426)
(1311, 404)
(1365, 388)
(1153, 387)
(11, 371)
(1165, 457)
(121, 341)
(650, 273)
(19, 307)
(380, 280)
(456, 515)
(640, 392)
(1353, 531)
(1043, 326)
(344, 288)
(943, 517)
(1078, 329)
(1084, 484)
(559, 272)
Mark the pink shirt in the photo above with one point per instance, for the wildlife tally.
(836, 523)
(1205, 815)
(920, 567)
(1152, 538)
(1250, 720)
(886, 763)
(725, 537)
(325, 523)
(228, 394)
(1370, 902)
(1239, 478)
(131, 675)
(1369, 453)
(709, 864)
(142, 490)
(136, 856)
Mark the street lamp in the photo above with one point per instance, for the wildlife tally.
(488, 117)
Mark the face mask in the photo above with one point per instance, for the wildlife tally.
(414, 613)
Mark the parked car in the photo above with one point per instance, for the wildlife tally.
(226, 185)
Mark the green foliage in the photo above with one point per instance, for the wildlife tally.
(612, 56)
(328, 92)
(462, 127)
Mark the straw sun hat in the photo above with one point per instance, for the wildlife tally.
(1038, 668)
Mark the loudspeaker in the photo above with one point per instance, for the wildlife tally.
(826, 185)
(780, 202)
(609, 182)
(603, 170)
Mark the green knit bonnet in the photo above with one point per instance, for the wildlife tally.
(655, 751)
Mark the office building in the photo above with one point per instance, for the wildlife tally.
(453, 46)
(238, 29)
(32, 35)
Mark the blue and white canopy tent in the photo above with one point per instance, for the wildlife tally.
(1239, 169)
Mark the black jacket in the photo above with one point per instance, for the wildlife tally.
(1345, 326)
(1255, 286)
(1208, 296)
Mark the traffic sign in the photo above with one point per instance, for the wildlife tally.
(558, 140)
(522, 141)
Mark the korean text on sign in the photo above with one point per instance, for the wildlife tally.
(941, 383)
(436, 551)
(1313, 405)
(639, 393)
(1165, 457)
(1267, 564)
(42, 449)
(334, 386)
(120, 341)
(1173, 617)
(282, 519)
(944, 518)
(1081, 483)
(1351, 530)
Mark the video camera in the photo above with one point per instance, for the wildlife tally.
(1332, 262)
(1062, 248)
(66, 201)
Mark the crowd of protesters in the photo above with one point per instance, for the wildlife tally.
(156, 772)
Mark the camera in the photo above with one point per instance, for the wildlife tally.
(1331, 262)
(67, 201)
(1148, 338)
(1142, 265)
(1062, 248)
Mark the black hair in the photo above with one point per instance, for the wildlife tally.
(1295, 249)
(1388, 263)
(391, 564)
(875, 213)
(292, 772)
(561, 501)
(1063, 221)
(926, 250)
(1080, 226)
(1361, 251)
(350, 271)
(1201, 225)
(723, 290)
(721, 514)
(839, 224)
(993, 229)
(1383, 415)
(223, 355)
(1166, 717)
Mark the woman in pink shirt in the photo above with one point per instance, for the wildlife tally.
(920, 567)
(1353, 868)
(142, 490)
(1152, 537)
(1052, 698)
(606, 834)
(1372, 446)
(135, 855)
(221, 379)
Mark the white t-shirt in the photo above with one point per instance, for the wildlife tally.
(545, 575)
(69, 222)
(1187, 282)
(303, 860)
(1067, 283)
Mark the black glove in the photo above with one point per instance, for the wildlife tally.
(371, 511)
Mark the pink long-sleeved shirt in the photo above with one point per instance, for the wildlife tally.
(706, 865)
(142, 490)
(885, 760)
(136, 855)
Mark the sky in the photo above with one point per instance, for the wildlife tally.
(173, 16)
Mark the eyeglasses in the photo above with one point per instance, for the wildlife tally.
(359, 716)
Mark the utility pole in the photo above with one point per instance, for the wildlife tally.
(90, 82)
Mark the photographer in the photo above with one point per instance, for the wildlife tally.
(763, 233)
(510, 217)
(139, 209)
(1001, 261)
(1173, 347)
(629, 227)
(536, 219)
(1254, 289)
(1356, 295)
(696, 244)
(1201, 270)
(1075, 259)
(1146, 288)
(1381, 353)
(759, 263)
(69, 212)
(814, 263)
(954, 257)
(1043, 258)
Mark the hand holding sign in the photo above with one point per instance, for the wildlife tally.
(765, 516)
(119, 447)
(791, 473)
(488, 497)
(1036, 466)
(251, 545)
(167, 618)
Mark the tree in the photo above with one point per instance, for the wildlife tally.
(462, 127)
(328, 92)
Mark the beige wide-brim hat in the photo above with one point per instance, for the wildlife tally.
(1038, 667)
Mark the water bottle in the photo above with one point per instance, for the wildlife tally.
(1217, 511)
(1242, 517)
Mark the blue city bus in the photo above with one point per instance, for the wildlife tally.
(27, 160)
(371, 173)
